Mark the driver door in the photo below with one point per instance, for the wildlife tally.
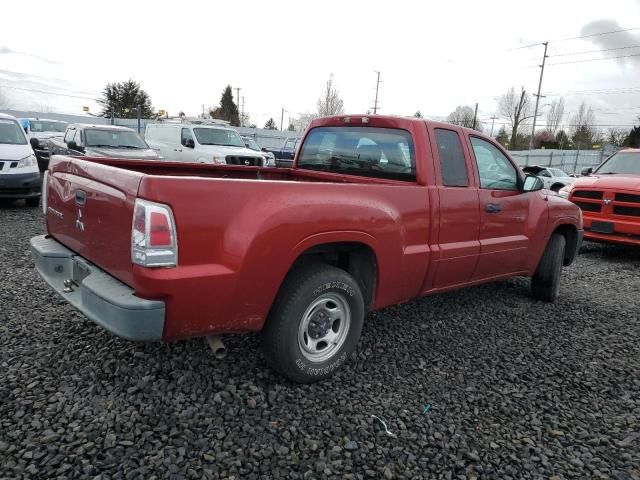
(183, 152)
(504, 213)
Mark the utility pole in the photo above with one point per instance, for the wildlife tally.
(493, 119)
(242, 115)
(139, 115)
(375, 104)
(475, 116)
(203, 110)
(535, 113)
(281, 118)
(238, 102)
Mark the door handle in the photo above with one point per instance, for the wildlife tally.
(176, 150)
(492, 208)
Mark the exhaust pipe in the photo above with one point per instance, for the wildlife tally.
(217, 346)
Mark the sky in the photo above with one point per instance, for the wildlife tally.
(432, 56)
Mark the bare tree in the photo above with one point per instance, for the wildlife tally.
(616, 136)
(517, 108)
(582, 130)
(462, 115)
(330, 102)
(4, 100)
(302, 122)
(555, 115)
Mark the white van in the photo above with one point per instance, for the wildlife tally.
(19, 173)
(202, 143)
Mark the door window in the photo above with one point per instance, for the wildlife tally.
(495, 170)
(453, 166)
(78, 138)
(69, 135)
(186, 135)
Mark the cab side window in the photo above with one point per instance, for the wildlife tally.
(453, 166)
(186, 135)
(495, 170)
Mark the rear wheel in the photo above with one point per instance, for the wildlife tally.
(315, 323)
(32, 201)
(545, 283)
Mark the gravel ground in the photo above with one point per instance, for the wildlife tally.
(516, 388)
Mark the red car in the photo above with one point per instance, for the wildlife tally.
(610, 199)
(375, 211)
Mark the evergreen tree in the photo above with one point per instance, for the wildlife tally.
(418, 114)
(503, 137)
(291, 128)
(633, 139)
(121, 100)
(227, 110)
(271, 124)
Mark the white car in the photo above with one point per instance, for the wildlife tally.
(19, 174)
(553, 178)
(201, 143)
(39, 131)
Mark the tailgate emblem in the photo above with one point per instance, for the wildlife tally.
(79, 223)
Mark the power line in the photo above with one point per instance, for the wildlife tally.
(47, 92)
(596, 34)
(596, 59)
(606, 91)
(593, 51)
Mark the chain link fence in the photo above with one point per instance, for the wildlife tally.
(571, 161)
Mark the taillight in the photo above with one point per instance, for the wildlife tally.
(153, 235)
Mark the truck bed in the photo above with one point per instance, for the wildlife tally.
(239, 230)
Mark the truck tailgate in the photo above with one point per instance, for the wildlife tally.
(90, 210)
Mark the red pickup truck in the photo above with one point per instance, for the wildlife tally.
(610, 199)
(375, 211)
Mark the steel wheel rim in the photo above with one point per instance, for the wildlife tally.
(324, 327)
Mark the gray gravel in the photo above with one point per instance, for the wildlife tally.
(516, 388)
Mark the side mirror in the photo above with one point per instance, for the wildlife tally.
(72, 145)
(532, 184)
(264, 149)
(585, 172)
(35, 143)
(189, 143)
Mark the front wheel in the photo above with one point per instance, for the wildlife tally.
(545, 283)
(315, 323)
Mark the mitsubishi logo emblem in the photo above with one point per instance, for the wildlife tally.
(607, 201)
(79, 222)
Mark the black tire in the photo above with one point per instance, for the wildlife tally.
(301, 289)
(545, 283)
(32, 201)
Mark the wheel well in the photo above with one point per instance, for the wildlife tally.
(571, 236)
(357, 259)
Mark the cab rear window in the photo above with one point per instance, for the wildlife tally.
(364, 151)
